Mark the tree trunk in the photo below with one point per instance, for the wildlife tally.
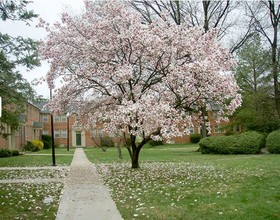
(119, 150)
(275, 72)
(135, 159)
(134, 151)
(204, 121)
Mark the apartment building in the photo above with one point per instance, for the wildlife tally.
(36, 120)
(30, 129)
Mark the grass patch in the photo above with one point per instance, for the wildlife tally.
(29, 201)
(176, 182)
(39, 158)
(33, 174)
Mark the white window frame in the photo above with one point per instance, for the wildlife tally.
(45, 132)
(63, 133)
(63, 118)
(191, 130)
(45, 118)
(56, 133)
(56, 118)
(218, 129)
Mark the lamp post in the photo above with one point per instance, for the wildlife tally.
(68, 116)
(52, 132)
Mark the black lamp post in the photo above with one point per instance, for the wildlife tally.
(68, 116)
(52, 132)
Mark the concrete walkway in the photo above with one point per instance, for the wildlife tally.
(84, 196)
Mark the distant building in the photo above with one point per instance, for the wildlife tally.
(30, 129)
(36, 120)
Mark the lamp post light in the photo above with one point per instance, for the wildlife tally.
(52, 132)
(68, 116)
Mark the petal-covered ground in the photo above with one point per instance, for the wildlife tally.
(31, 193)
(183, 190)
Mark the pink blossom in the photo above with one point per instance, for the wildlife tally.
(139, 77)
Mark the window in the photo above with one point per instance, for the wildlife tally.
(64, 133)
(45, 118)
(215, 115)
(63, 118)
(57, 118)
(56, 133)
(191, 130)
(219, 129)
(111, 134)
(45, 132)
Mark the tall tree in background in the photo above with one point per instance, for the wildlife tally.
(253, 76)
(226, 16)
(266, 17)
(14, 52)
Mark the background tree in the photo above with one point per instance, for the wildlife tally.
(266, 17)
(253, 76)
(14, 52)
(206, 14)
(134, 77)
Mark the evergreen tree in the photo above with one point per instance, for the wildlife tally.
(252, 74)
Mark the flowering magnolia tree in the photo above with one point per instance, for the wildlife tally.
(135, 78)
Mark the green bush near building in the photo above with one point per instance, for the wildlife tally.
(8, 153)
(47, 140)
(195, 138)
(250, 142)
(34, 145)
(273, 142)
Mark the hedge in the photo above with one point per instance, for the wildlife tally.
(249, 142)
(273, 142)
(155, 143)
(47, 140)
(195, 138)
(8, 153)
(34, 145)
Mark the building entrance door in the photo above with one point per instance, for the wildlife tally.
(78, 139)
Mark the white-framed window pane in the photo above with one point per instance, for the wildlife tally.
(215, 115)
(219, 129)
(56, 133)
(57, 118)
(45, 132)
(191, 130)
(64, 133)
(63, 118)
(45, 118)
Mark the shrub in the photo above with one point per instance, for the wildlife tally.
(37, 143)
(195, 138)
(106, 141)
(47, 140)
(15, 152)
(273, 142)
(155, 143)
(34, 145)
(56, 144)
(249, 142)
(5, 153)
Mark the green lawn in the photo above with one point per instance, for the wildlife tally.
(28, 199)
(176, 182)
(39, 158)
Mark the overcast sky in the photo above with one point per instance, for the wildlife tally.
(50, 11)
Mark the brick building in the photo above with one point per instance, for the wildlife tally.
(30, 129)
(36, 120)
